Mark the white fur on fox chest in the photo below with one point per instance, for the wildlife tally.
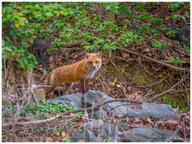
(90, 73)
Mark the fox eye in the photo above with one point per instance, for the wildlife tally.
(96, 62)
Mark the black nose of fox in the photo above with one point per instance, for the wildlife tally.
(94, 66)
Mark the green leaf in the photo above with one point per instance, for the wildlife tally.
(65, 140)
(49, 14)
(183, 18)
(186, 109)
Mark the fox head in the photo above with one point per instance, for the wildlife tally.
(93, 61)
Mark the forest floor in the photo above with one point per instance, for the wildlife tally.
(122, 75)
(116, 85)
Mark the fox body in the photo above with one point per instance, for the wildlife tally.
(82, 70)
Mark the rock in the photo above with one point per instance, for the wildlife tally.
(121, 109)
(181, 33)
(93, 97)
(99, 114)
(117, 108)
(148, 135)
(85, 135)
(107, 133)
(123, 126)
(73, 99)
(93, 124)
(135, 113)
(157, 111)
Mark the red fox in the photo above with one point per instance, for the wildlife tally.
(82, 70)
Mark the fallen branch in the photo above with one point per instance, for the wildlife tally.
(74, 111)
(172, 88)
(72, 44)
(154, 60)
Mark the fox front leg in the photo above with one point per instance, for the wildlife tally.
(84, 85)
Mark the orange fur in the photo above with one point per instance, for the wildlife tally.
(81, 70)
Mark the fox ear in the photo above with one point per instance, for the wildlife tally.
(99, 54)
(87, 55)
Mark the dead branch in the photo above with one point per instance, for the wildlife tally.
(172, 88)
(72, 44)
(74, 111)
(154, 60)
(110, 53)
(75, 48)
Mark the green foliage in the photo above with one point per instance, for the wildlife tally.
(112, 6)
(79, 115)
(57, 129)
(150, 18)
(48, 107)
(65, 139)
(128, 37)
(71, 21)
(188, 51)
(174, 5)
(180, 106)
(48, 129)
(41, 130)
(176, 61)
(69, 123)
(157, 44)
(175, 16)
(22, 22)
(141, 6)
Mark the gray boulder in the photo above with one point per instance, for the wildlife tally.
(73, 99)
(121, 109)
(93, 124)
(98, 114)
(149, 135)
(85, 135)
(107, 133)
(155, 111)
(123, 126)
(159, 111)
(117, 108)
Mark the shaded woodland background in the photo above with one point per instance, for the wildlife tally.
(146, 57)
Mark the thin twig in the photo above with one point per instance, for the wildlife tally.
(172, 88)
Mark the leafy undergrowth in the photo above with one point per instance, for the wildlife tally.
(46, 108)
